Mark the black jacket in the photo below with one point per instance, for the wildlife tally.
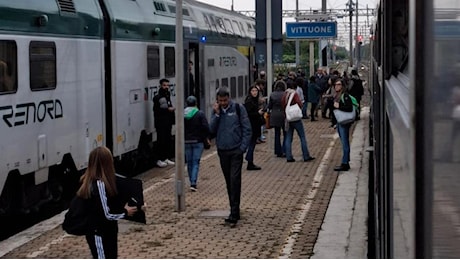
(196, 128)
(161, 113)
(252, 107)
(107, 210)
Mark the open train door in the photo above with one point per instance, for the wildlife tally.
(193, 82)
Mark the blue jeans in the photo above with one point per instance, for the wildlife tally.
(192, 157)
(344, 134)
(280, 148)
(298, 126)
(250, 152)
(304, 109)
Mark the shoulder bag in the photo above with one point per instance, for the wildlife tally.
(77, 219)
(293, 112)
(343, 117)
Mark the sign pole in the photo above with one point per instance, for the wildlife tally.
(269, 61)
(179, 145)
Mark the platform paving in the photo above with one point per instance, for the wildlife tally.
(283, 207)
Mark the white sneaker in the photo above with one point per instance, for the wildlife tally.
(161, 164)
(169, 162)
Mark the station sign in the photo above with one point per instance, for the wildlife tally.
(311, 30)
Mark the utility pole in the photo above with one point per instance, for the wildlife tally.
(232, 6)
(358, 47)
(297, 42)
(323, 42)
(350, 9)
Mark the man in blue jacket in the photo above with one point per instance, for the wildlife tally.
(232, 128)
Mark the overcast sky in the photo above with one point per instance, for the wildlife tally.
(247, 5)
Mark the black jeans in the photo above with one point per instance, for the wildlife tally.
(103, 245)
(164, 141)
(313, 110)
(231, 162)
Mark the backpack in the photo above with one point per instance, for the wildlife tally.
(77, 219)
(357, 88)
(354, 102)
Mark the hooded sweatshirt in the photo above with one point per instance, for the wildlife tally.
(196, 125)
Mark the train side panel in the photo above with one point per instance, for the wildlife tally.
(54, 114)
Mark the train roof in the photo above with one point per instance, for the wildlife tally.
(78, 18)
(147, 20)
(155, 20)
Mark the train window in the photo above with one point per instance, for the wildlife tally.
(229, 26)
(172, 9)
(213, 22)
(221, 25)
(153, 62)
(208, 24)
(42, 65)
(170, 62)
(233, 89)
(241, 86)
(249, 27)
(236, 28)
(8, 67)
(210, 62)
(159, 6)
(225, 82)
(242, 28)
(185, 11)
(246, 84)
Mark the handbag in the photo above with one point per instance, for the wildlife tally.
(293, 112)
(343, 117)
(267, 120)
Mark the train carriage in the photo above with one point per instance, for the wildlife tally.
(413, 176)
(77, 74)
(54, 106)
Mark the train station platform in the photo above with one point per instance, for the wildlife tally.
(288, 210)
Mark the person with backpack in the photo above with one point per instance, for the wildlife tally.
(196, 133)
(343, 102)
(98, 187)
(232, 128)
(356, 89)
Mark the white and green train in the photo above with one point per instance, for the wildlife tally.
(77, 74)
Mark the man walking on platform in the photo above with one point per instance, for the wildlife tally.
(232, 128)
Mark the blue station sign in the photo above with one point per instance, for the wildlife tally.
(311, 30)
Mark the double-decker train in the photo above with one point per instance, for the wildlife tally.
(414, 187)
(77, 74)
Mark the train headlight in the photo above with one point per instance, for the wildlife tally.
(203, 38)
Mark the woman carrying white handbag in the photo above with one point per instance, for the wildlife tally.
(343, 102)
(291, 102)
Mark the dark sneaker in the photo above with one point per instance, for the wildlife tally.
(291, 160)
(342, 168)
(253, 167)
(311, 158)
(193, 188)
(232, 219)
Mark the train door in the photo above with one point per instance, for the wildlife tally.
(193, 78)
